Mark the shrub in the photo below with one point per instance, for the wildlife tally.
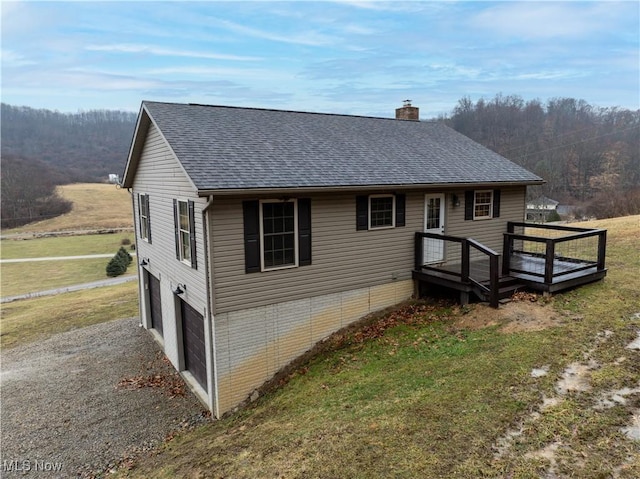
(116, 266)
(553, 216)
(126, 257)
(125, 241)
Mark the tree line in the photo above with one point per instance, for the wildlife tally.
(589, 156)
(84, 146)
(29, 192)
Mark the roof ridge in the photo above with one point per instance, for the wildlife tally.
(277, 110)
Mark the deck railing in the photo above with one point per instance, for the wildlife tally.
(552, 251)
(469, 261)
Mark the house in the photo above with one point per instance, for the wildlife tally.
(260, 232)
(541, 209)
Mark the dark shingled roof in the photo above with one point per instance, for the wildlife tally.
(245, 148)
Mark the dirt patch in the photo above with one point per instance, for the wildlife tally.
(523, 313)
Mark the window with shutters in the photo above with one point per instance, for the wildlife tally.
(279, 234)
(483, 204)
(185, 232)
(145, 224)
(382, 211)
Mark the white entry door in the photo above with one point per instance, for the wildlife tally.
(433, 249)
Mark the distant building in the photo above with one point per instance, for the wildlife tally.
(113, 178)
(541, 209)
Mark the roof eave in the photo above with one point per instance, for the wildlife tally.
(330, 189)
(137, 143)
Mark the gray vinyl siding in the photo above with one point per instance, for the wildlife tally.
(160, 176)
(342, 258)
(489, 231)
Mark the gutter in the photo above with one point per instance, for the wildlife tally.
(330, 189)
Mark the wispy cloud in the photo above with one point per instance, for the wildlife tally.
(307, 37)
(10, 59)
(153, 50)
(548, 19)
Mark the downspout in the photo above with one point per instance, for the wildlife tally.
(210, 317)
(138, 267)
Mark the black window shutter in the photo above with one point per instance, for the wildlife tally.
(146, 199)
(192, 234)
(304, 231)
(362, 212)
(469, 199)
(496, 203)
(400, 209)
(176, 227)
(251, 215)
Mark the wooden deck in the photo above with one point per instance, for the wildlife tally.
(567, 274)
(492, 277)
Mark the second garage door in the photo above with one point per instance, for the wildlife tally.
(195, 360)
(155, 302)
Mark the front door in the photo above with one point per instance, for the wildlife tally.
(433, 249)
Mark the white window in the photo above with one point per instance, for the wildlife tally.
(145, 230)
(279, 234)
(382, 211)
(483, 204)
(184, 232)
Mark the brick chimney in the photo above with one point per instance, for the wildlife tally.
(407, 112)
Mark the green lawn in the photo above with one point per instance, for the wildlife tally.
(63, 246)
(22, 278)
(36, 319)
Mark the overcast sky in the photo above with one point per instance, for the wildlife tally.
(351, 57)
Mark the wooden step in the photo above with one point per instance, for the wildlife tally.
(506, 287)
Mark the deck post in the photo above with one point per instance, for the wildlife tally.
(494, 298)
(507, 246)
(548, 260)
(464, 273)
(419, 251)
(464, 298)
(602, 249)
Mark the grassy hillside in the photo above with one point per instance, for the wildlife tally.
(95, 206)
(438, 391)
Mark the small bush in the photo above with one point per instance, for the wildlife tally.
(124, 254)
(116, 266)
(553, 216)
(125, 241)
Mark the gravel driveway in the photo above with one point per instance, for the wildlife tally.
(86, 399)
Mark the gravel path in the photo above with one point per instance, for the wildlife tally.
(87, 399)
(74, 287)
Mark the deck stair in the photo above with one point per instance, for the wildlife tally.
(507, 285)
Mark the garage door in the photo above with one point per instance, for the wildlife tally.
(155, 304)
(194, 350)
